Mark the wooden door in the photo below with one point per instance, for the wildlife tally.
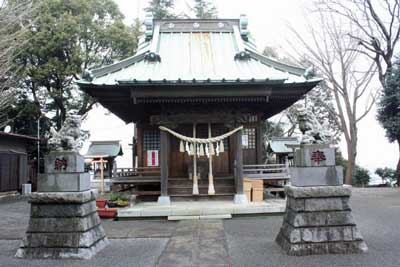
(9, 171)
(221, 163)
(179, 163)
(151, 147)
(249, 146)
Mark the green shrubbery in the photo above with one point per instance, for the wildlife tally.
(115, 196)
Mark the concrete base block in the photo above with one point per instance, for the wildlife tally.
(63, 225)
(62, 253)
(63, 182)
(180, 218)
(212, 217)
(240, 199)
(318, 220)
(67, 211)
(316, 176)
(26, 189)
(72, 162)
(63, 197)
(306, 249)
(164, 200)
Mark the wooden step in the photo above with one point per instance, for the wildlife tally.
(201, 197)
(146, 193)
(186, 181)
(203, 189)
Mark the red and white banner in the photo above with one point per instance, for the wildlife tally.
(152, 158)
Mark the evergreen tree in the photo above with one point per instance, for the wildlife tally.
(389, 109)
(387, 175)
(204, 9)
(66, 38)
(361, 177)
(161, 9)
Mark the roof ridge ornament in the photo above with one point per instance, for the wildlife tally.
(242, 55)
(152, 57)
(243, 22)
(309, 73)
(149, 23)
(87, 75)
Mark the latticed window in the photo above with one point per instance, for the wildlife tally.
(151, 140)
(249, 138)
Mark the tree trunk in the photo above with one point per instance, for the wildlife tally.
(349, 170)
(398, 166)
(351, 162)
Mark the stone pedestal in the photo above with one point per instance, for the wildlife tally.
(318, 220)
(315, 166)
(63, 223)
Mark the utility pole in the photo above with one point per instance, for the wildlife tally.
(38, 144)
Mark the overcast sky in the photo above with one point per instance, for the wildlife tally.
(268, 20)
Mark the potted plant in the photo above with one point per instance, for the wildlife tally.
(107, 213)
(101, 203)
(118, 199)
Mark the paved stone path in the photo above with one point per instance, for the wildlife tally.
(196, 243)
(242, 241)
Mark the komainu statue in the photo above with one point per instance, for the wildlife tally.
(69, 137)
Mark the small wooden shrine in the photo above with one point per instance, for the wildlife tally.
(198, 92)
(102, 154)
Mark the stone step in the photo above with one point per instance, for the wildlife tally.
(203, 189)
(203, 181)
(200, 217)
(201, 197)
(201, 206)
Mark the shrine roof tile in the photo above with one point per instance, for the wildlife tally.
(104, 149)
(278, 144)
(196, 51)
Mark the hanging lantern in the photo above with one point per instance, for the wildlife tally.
(201, 150)
(221, 146)
(181, 148)
(212, 151)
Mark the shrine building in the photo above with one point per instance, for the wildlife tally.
(197, 92)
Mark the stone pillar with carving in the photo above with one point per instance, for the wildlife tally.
(63, 219)
(318, 218)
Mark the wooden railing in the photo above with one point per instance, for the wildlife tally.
(267, 171)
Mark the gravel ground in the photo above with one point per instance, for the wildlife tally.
(376, 211)
(250, 240)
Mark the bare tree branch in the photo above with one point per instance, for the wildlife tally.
(13, 19)
(379, 27)
(338, 60)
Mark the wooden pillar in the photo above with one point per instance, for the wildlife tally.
(211, 189)
(110, 167)
(239, 163)
(164, 163)
(240, 197)
(101, 175)
(164, 198)
(195, 177)
(259, 143)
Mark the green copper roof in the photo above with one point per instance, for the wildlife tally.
(278, 144)
(105, 149)
(196, 51)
